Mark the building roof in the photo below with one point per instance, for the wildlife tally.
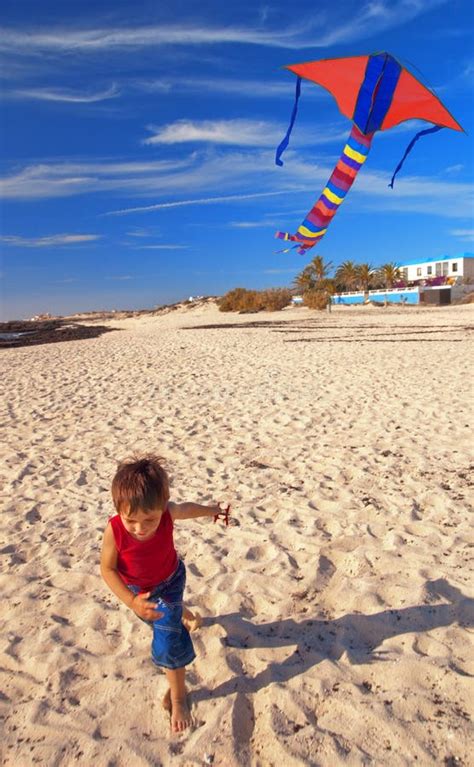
(439, 258)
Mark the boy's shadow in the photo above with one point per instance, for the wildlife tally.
(316, 640)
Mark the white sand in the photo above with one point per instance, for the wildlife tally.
(338, 620)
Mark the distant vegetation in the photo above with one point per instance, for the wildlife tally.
(242, 300)
(351, 276)
(314, 285)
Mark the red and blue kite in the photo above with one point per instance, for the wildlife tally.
(376, 93)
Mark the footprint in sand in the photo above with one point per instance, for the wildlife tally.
(326, 570)
(33, 515)
(255, 553)
(82, 479)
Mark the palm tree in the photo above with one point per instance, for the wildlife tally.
(328, 285)
(389, 274)
(313, 276)
(319, 268)
(304, 280)
(365, 276)
(346, 275)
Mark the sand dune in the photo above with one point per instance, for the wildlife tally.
(338, 608)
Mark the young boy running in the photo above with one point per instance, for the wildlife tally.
(140, 565)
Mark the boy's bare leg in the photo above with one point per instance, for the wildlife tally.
(180, 713)
(192, 621)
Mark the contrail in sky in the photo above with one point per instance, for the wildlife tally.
(202, 201)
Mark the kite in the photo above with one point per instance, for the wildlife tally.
(376, 93)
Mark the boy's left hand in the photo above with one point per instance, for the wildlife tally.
(223, 514)
(148, 611)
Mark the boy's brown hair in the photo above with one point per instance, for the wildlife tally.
(140, 483)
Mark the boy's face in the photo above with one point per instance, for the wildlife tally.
(141, 525)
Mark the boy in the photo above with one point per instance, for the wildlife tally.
(140, 565)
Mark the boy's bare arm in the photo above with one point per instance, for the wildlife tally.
(108, 568)
(192, 510)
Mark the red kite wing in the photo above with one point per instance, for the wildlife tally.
(412, 100)
(341, 77)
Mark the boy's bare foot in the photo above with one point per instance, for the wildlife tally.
(166, 702)
(180, 714)
(193, 621)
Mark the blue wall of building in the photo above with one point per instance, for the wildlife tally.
(409, 297)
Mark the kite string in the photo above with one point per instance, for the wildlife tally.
(281, 148)
(410, 147)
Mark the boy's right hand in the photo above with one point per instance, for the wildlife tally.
(145, 609)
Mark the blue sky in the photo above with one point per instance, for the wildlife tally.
(138, 143)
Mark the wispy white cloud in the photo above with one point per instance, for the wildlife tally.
(121, 277)
(237, 132)
(263, 13)
(408, 126)
(463, 234)
(417, 194)
(411, 194)
(452, 169)
(141, 232)
(318, 30)
(161, 247)
(252, 224)
(53, 240)
(65, 179)
(297, 212)
(62, 95)
(61, 39)
(376, 16)
(215, 175)
(282, 271)
(468, 71)
(463, 79)
(280, 87)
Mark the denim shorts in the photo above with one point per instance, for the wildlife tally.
(171, 645)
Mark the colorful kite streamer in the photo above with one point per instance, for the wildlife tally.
(376, 93)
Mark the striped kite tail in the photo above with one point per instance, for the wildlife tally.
(316, 223)
(286, 236)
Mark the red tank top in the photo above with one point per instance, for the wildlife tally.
(145, 563)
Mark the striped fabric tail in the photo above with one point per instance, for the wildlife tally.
(315, 225)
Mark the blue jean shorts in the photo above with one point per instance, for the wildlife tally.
(171, 645)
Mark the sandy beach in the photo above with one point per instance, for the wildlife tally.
(338, 606)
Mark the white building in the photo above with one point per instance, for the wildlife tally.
(461, 265)
(453, 271)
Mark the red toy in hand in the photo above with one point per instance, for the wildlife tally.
(224, 514)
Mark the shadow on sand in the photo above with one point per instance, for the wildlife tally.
(316, 640)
